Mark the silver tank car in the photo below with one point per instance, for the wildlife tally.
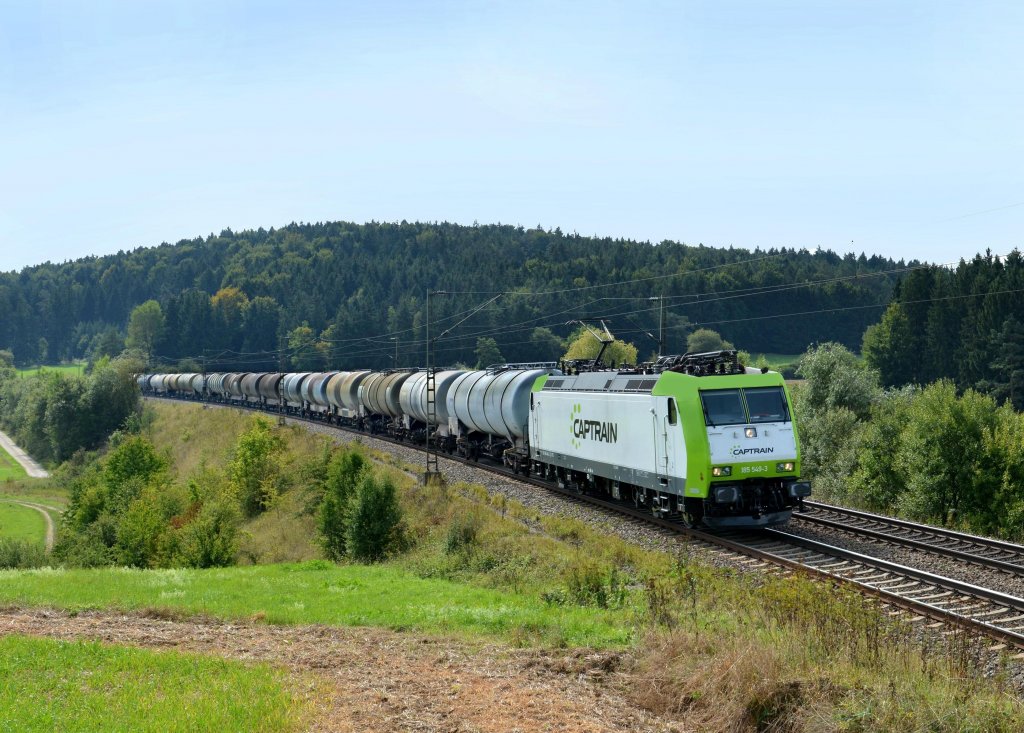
(379, 393)
(413, 398)
(249, 385)
(343, 392)
(314, 388)
(198, 383)
(215, 384)
(291, 387)
(233, 383)
(495, 402)
(269, 387)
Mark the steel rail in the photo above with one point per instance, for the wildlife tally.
(918, 527)
(754, 547)
(917, 544)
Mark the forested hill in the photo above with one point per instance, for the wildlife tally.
(357, 286)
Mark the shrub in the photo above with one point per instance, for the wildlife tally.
(343, 474)
(211, 539)
(374, 527)
(254, 470)
(138, 533)
(21, 554)
(463, 532)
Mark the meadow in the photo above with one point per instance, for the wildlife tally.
(86, 686)
(319, 592)
(65, 369)
(21, 523)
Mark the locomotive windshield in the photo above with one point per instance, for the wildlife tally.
(744, 406)
(766, 404)
(723, 407)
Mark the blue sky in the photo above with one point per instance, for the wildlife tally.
(882, 127)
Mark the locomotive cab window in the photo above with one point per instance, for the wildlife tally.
(722, 407)
(672, 414)
(766, 404)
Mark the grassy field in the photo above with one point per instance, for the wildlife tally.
(21, 523)
(84, 686)
(321, 593)
(10, 468)
(68, 369)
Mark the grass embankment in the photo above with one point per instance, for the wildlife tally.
(10, 469)
(720, 651)
(84, 686)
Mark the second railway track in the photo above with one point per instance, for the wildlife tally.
(984, 551)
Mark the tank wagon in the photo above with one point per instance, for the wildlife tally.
(697, 436)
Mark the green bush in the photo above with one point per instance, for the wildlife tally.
(211, 539)
(21, 554)
(343, 475)
(140, 530)
(375, 522)
(463, 532)
(254, 471)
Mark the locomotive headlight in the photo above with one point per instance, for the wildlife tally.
(721, 471)
(785, 467)
(750, 432)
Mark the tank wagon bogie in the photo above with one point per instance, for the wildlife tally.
(698, 436)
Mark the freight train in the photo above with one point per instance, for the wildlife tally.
(698, 436)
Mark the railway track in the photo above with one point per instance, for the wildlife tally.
(945, 601)
(989, 553)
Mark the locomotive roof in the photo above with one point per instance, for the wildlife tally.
(634, 383)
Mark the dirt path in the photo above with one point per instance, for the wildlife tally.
(45, 511)
(377, 680)
(32, 468)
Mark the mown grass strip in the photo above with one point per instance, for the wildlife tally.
(19, 522)
(10, 469)
(65, 369)
(86, 686)
(320, 593)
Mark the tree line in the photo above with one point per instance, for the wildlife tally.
(965, 325)
(341, 295)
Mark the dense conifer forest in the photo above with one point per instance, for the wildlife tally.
(340, 295)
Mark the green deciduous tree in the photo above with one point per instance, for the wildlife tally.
(343, 475)
(211, 539)
(836, 378)
(889, 349)
(254, 472)
(487, 353)
(145, 326)
(583, 344)
(942, 455)
(375, 521)
(302, 345)
(704, 339)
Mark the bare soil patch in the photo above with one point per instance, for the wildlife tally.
(371, 679)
